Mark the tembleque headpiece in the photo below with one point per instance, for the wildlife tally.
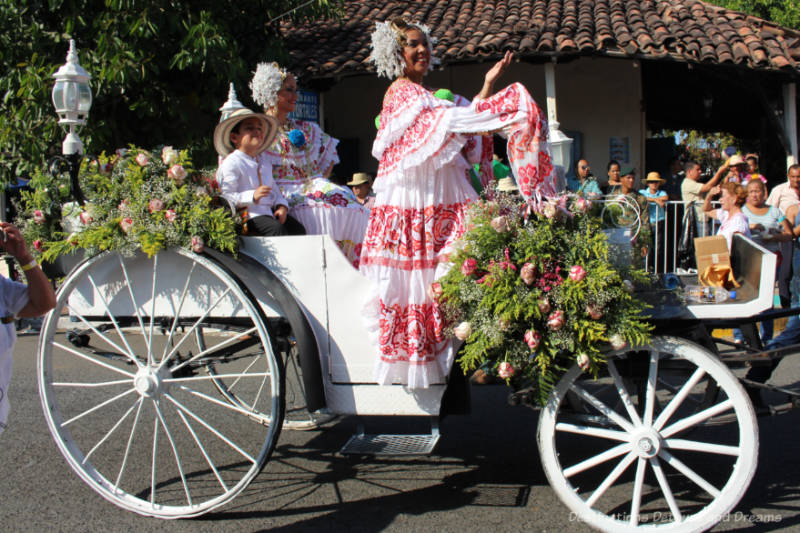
(267, 81)
(387, 46)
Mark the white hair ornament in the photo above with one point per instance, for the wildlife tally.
(267, 81)
(387, 50)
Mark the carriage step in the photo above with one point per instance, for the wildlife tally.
(391, 444)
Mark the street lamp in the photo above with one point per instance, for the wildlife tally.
(72, 99)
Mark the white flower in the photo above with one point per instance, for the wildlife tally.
(387, 53)
(177, 173)
(142, 160)
(617, 342)
(628, 286)
(267, 81)
(583, 361)
(169, 155)
(463, 331)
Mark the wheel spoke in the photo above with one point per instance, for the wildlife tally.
(703, 415)
(129, 285)
(175, 454)
(110, 315)
(184, 292)
(104, 337)
(650, 396)
(210, 428)
(98, 406)
(612, 477)
(638, 481)
(603, 408)
(128, 445)
(153, 464)
(664, 484)
(600, 458)
(590, 431)
(217, 376)
(623, 393)
(203, 353)
(109, 432)
(688, 472)
(202, 450)
(244, 373)
(677, 400)
(706, 447)
(91, 385)
(226, 405)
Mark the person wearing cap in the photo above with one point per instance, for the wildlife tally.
(246, 180)
(362, 188)
(584, 183)
(733, 170)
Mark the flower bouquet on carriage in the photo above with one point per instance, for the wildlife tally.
(136, 200)
(533, 292)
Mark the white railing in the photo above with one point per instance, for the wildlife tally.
(666, 236)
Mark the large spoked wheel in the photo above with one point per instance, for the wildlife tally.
(653, 459)
(131, 406)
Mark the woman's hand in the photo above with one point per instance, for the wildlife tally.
(715, 191)
(280, 213)
(493, 74)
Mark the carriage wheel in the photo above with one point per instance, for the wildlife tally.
(133, 412)
(655, 461)
(296, 413)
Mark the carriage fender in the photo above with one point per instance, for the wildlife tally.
(245, 267)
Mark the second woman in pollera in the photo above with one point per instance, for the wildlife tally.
(302, 156)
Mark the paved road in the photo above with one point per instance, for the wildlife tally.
(485, 475)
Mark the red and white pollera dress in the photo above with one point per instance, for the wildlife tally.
(422, 193)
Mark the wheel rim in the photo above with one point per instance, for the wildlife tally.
(663, 459)
(133, 412)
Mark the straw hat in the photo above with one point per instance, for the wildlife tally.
(735, 159)
(507, 185)
(222, 133)
(654, 176)
(359, 178)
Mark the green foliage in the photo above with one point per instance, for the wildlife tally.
(135, 201)
(160, 69)
(549, 276)
(783, 12)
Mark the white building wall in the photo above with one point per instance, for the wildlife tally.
(598, 97)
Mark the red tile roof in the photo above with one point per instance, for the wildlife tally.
(474, 30)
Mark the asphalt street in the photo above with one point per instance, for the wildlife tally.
(484, 475)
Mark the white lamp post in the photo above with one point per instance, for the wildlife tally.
(560, 144)
(72, 99)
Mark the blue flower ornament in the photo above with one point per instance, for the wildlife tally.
(297, 138)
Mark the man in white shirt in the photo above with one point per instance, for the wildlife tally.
(694, 191)
(246, 179)
(786, 197)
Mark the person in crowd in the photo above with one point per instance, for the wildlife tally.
(768, 227)
(729, 214)
(246, 180)
(672, 183)
(634, 213)
(694, 192)
(657, 210)
(613, 169)
(733, 170)
(751, 173)
(785, 197)
(302, 157)
(422, 193)
(18, 300)
(584, 183)
(361, 184)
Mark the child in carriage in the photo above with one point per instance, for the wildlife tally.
(246, 181)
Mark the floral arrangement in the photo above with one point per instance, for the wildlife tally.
(135, 201)
(532, 295)
(267, 81)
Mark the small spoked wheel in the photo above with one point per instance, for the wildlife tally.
(659, 457)
(133, 409)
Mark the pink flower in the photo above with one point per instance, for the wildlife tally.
(532, 338)
(170, 215)
(38, 216)
(577, 273)
(435, 291)
(549, 210)
(169, 155)
(595, 312)
(617, 342)
(527, 273)
(582, 204)
(583, 361)
(123, 204)
(463, 331)
(556, 320)
(505, 370)
(37, 245)
(155, 205)
(500, 224)
(142, 160)
(126, 224)
(544, 306)
(177, 173)
(197, 244)
(469, 266)
(85, 217)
